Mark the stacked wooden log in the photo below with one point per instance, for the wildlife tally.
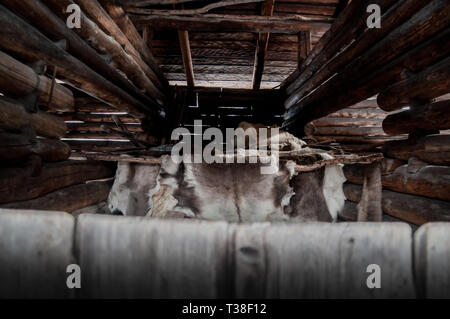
(417, 187)
(350, 64)
(356, 128)
(107, 66)
(65, 186)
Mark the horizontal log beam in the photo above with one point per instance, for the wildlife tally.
(428, 181)
(339, 34)
(104, 43)
(97, 127)
(96, 118)
(434, 116)
(359, 113)
(380, 69)
(128, 28)
(230, 23)
(18, 79)
(413, 209)
(430, 83)
(311, 129)
(375, 140)
(103, 19)
(51, 25)
(53, 176)
(67, 199)
(17, 147)
(433, 149)
(393, 18)
(344, 122)
(14, 117)
(19, 37)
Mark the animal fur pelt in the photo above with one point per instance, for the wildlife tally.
(240, 193)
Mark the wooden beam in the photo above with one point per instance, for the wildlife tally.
(429, 180)
(183, 37)
(410, 208)
(67, 199)
(102, 18)
(13, 116)
(24, 40)
(433, 149)
(128, 28)
(143, 3)
(261, 47)
(102, 42)
(18, 79)
(380, 70)
(327, 65)
(434, 116)
(339, 34)
(17, 146)
(52, 176)
(430, 83)
(340, 7)
(53, 27)
(231, 23)
(205, 9)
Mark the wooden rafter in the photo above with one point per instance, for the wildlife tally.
(205, 9)
(261, 47)
(183, 36)
(234, 23)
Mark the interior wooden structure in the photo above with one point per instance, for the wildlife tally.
(74, 100)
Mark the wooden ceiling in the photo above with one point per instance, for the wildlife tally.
(226, 45)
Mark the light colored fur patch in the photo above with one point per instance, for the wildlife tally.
(333, 188)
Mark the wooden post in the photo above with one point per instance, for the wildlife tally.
(187, 58)
(369, 208)
(304, 46)
(261, 47)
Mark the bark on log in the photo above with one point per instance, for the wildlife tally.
(360, 113)
(98, 39)
(433, 149)
(19, 37)
(424, 32)
(18, 184)
(394, 17)
(47, 22)
(376, 140)
(345, 122)
(429, 181)
(94, 10)
(430, 83)
(343, 30)
(231, 23)
(14, 117)
(96, 127)
(96, 118)
(126, 25)
(67, 199)
(18, 79)
(15, 147)
(413, 209)
(311, 129)
(434, 116)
